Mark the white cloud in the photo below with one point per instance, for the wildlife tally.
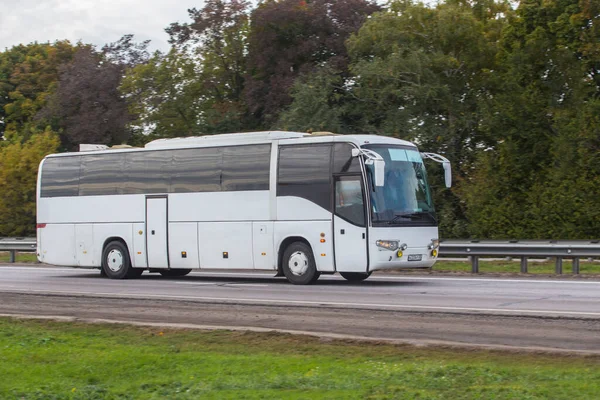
(91, 21)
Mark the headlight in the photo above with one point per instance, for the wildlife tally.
(387, 244)
(435, 243)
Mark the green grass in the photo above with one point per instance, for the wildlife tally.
(21, 257)
(51, 360)
(515, 267)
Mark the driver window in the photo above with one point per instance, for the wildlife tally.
(349, 203)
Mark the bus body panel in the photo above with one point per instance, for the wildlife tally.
(92, 209)
(84, 237)
(264, 255)
(350, 246)
(138, 239)
(225, 245)
(290, 208)
(311, 232)
(219, 206)
(57, 245)
(157, 232)
(417, 240)
(183, 245)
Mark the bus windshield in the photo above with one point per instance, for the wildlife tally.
(405, 198)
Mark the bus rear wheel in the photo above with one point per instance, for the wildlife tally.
(116, 263)
(299, 264)
(355, 276)
(174, 272)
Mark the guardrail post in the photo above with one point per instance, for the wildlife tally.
(576, 265)
(474, 264)
(13, 255)
(523, 265)
(558, 267)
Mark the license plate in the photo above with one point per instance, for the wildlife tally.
(415, 257)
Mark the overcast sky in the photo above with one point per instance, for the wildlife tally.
(91, 21)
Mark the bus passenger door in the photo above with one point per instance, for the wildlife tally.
(156, 232)
(349, 224)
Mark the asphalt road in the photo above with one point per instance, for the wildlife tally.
(540, 314)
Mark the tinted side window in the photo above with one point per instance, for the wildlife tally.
(246, 167)
(305, 171)
(343, 162)
(60, 177)
(147, 172)
(196, 170)
(102, 174)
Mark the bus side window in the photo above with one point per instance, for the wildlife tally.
(349, 203)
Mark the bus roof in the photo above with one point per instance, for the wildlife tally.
(232, 139)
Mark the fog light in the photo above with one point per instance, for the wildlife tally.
(434, 253)
(399, 253)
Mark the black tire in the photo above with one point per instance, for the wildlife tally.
(116, 263)
(135, 272)
(355, 276)
(299, 264)
(174, 272)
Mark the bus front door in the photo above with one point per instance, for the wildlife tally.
(156, 232)
(349, 224)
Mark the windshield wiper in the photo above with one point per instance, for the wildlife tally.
(408, 216)
(415, 215)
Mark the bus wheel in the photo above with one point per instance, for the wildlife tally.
(355, 276)
(299, 264)
(115, 261)
(174, 272)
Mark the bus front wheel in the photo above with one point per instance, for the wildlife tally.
(116, 263)
(355, 276)
(299, 264)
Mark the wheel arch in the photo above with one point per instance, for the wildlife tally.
(116, 239)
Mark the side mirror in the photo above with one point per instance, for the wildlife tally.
(374, 159)
(447, 173)
(379, 166)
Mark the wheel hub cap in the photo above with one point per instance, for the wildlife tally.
(298, 263)
(115, 260)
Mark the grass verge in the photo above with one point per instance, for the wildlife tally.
(51, 360)
(20, 257)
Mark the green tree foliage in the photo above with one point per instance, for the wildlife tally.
(289, 38)
(197, 86)
(28, 74)
(541, 177)
(18, 172)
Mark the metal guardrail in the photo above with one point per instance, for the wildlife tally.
(15, 245)
(525, 249)
(474, 249)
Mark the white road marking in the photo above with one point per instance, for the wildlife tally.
(241, 284)
(311, 303)
(377, 277)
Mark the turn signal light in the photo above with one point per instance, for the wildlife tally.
(399, 253)
(322, 240)
(434, 253)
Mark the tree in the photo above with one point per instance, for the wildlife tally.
(28, 74)
(539, 180)
(18, 172)
(289, 38)
(87, 106)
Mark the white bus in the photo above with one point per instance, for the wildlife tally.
(298, 204)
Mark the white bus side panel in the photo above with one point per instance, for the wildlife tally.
(291, 208)
(58, 244)
(183, 245)
(219, 206)
(138, 253)
(84, 236)
(311, 232)
(262, 245)
(225, 245)
(102, 232)
(92, 209)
